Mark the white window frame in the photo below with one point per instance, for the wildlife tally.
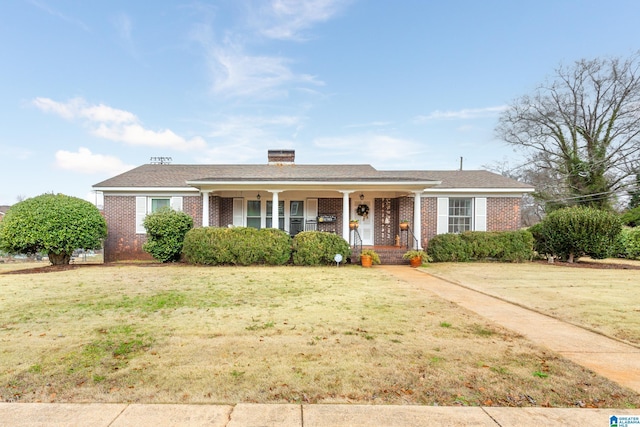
(455, 228)
(478, 213)
(143, 208)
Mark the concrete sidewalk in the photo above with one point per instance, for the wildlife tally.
(256, 415)
(609, 358)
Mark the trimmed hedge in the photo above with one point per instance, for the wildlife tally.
(505, 246)
(448, 248)
(319, 248)
(236, 246)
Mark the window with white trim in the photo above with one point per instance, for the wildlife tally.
(148, 205)
(460, 215)
(159, 203)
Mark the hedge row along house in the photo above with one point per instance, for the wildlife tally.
(311, 197)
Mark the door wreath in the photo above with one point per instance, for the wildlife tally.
(363, 211)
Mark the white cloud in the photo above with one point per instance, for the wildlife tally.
(287, 19)
(464, 114)
(238, 74)
(104, 114)
(66, 111)
(134, 134)
(84, 161)
(117, 125)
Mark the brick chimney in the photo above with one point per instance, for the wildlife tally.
(282, 157)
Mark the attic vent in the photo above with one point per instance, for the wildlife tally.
(282, 156)
(160, 160)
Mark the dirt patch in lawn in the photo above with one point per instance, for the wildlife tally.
(600, 265)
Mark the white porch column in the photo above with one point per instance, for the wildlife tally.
(345, 214)
(275, 219)
(205, 208)
(417, 218)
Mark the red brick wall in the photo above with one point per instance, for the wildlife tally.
(122, 242)
(503, 213)
(226, 212)
(429, 225)
(192, 206)
(214, 211)
(330, 207)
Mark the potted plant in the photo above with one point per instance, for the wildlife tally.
(369, 257)
(353, 224)
(404, 224)
(416, 257)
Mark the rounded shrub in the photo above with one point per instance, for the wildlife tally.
(318, 248)
(54, 224)
(165, 234)
(570, 233)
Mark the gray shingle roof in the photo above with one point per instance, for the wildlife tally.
(178, 176)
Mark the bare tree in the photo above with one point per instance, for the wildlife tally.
(580, 130)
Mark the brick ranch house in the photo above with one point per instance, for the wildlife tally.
(310, 197)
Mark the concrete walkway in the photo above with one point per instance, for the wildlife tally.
(609, 358)
(255, 415)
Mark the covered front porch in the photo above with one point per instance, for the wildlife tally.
(378, 212)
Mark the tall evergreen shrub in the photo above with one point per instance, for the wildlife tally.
(571, 233)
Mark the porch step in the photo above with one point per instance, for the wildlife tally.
(389, 255)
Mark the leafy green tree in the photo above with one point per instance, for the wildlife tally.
(581, 129)
(165, 234)
(54, 224)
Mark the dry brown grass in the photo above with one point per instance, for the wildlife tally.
(605, 300)
(226, 335)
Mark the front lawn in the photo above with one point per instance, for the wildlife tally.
(182, 334)
(604, 299)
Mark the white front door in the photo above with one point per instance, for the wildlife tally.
(365, 227)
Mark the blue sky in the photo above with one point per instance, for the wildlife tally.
(89, 89)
